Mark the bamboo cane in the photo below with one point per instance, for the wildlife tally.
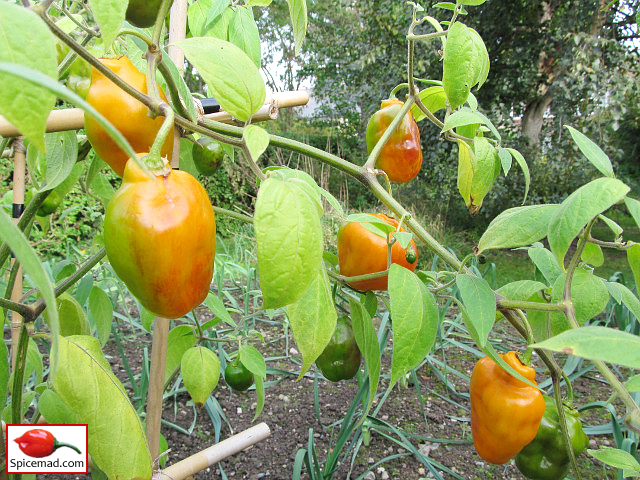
(73, 118)
(19, 173)
(177, 32)
(215, 453)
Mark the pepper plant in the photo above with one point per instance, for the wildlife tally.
(551, 311)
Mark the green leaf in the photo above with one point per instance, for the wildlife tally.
(146, 318)
(214, 303)
(466, 116)
(480, 303)
(472, 3)
(594, 154)
(520, 289)
(258, 3)
(630, 300)
(73, 320)
(633, 384)
(465, 172)
(633, 206)
(313, 319)
(592, 254)
(4, 370)
(112, 420)
(232, 77)
(506, 160)
(617, 458)
(197, 16)
(597, 343)
(200, 369)
(613, 226)
(243, 32)
(19, 245)
(101, 310)
(217, 9)
(62, 154)
(480, 60)
(16, 98)
(109, 15)
(579, 208)
(298, 14)
(445, 5)
(633, 257)
(525, 170)
(257, 140)
(289, 241)
(458, 72)
(415, 320)
(433, 98)
(53, 408)
(253, 360)
(367, 341)
(546, 263)
(181, 338)
(517, 227)
(34, 362)
(588, 293)
(259, 396)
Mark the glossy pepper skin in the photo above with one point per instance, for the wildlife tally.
(39, 443)
(142, 13)
(505, 411)
(237, 376)
(125, 112)
(401, 157)
(159, 234)
(546, 457)
(340, 360)
(361, 252)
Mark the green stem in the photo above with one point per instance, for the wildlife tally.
(154, 159)
(172, 86)
(232, 214)
(18, 376)
(246, 154)
(157, 27)
(136, 33)
(562, 420)
(84, 268)
(20, 308)
(71, 56)
(523, 305)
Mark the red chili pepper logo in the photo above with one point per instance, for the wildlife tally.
(40, 443)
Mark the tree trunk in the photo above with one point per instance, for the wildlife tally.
(533, 118)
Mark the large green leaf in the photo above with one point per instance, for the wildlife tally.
(517, 227)
(520, 289)
(298, 14)
(415, 320)
(26, 40)
(480, 303)
(181, 338)
(62, 154)
(289, 240)
(597, 343)
(109, 15)
(313, 319)
(232, 77)
(458, 72)
(367, 341)
(73, 320)
(200, 369)
(594, 154)
(85, 382)
(101, 310)
(546, 263)
(243, 32)
(54, 410)
(633, 206)
(579, 208)
(633, 257)
(588, 294)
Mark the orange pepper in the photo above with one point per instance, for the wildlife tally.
(505, 411)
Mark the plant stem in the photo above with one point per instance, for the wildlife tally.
(232, 214)
(562, 420)
(18, 375)
(523, 305)
(20, 308)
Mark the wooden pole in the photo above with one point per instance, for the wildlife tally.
(177, 31)
(205, 458)
(19, 174)
(73, 118)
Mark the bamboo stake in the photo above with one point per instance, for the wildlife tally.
(19, 171)
(215, 453)
(73, 118)
(177, 32)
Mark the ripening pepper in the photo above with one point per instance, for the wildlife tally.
(546, 457)
(160, 234)
(505, 411)
(39, 443)
(125, 112)
(340, 359)
(401, 156)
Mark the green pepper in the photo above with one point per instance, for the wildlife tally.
(546, 457)
(340, 360)
(237, 376)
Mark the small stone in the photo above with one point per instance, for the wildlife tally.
(421, 471)
(254, 405)
(369, 476)
(385, 417)
(384, 476)
(293, 351)
(239, 410)
(371, 460)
